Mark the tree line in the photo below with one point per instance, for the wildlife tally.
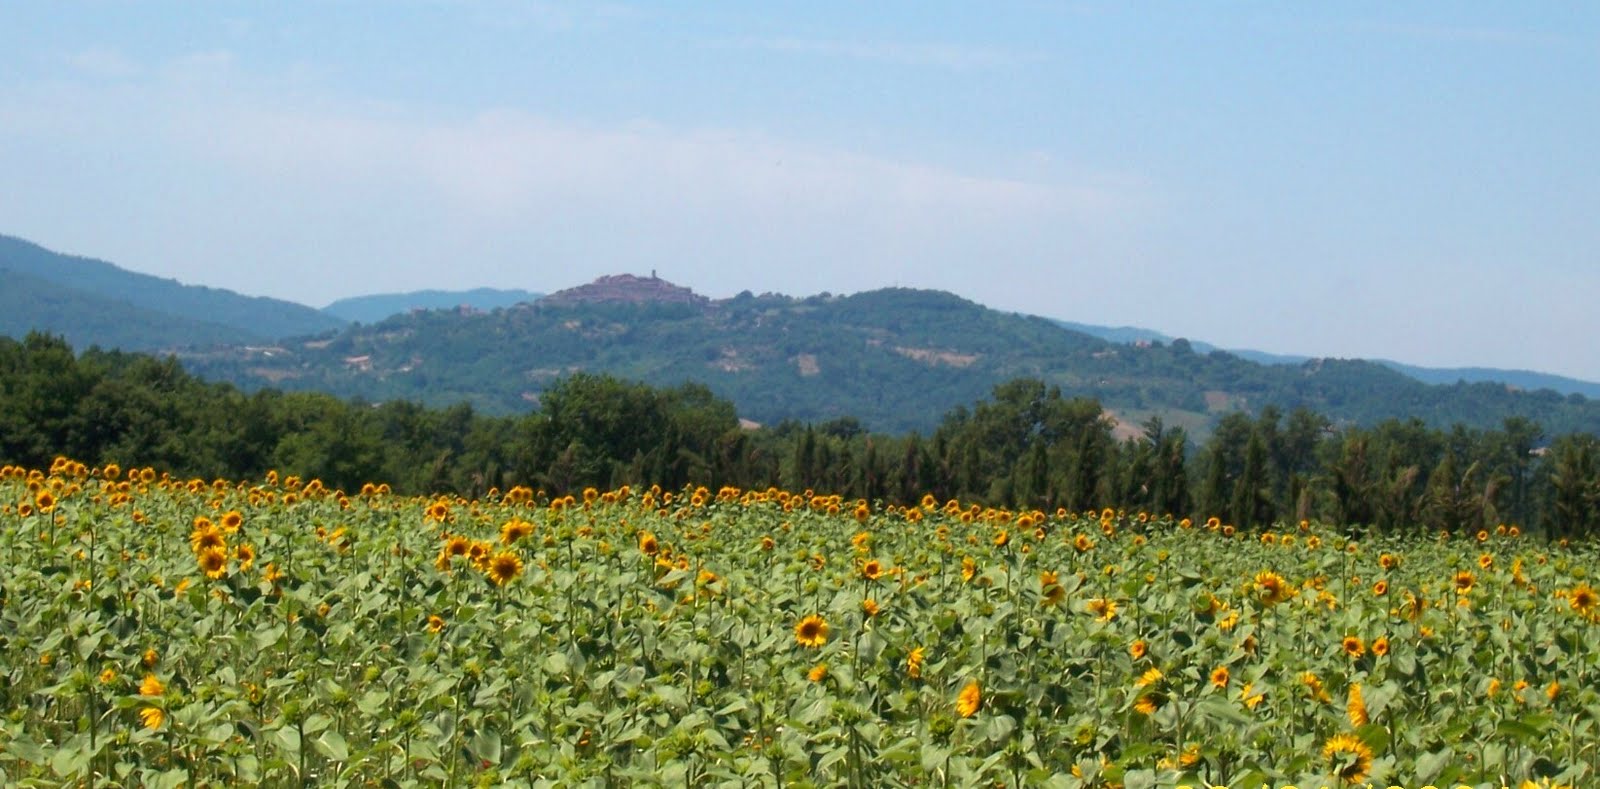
(1026, 446)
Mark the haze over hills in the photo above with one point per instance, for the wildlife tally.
(1521, 379)
(374, 308)
(93, 302)
(897, 359)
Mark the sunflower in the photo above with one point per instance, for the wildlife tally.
(914, 662)
(232, 520)
(1353, 647)
(1082, 543)
(1148, 703)
(1584, 599)
(1138, 649)
(213, 562)
(152, 717)
(438, 511)
(1485, 561)
(969, 568)
(811, 631)
(206, 538)
(1250, 698)
(478, 552)
(1464, 581)
(1002, 538)
(435, 623)
(1356, 706)
(872, 570)
(457, 546)
(108, 676)
(513, 530)
(504, 567)
(1052, 595)
(969, 699)
(151, 686)
(870, 607)
(1314, 685)
(1104, 609)
(1150, 677)
(1271, 588)
(1348, 756)
(767, 543)
(1380, 588)
(1219, 676)
(44, 500)
(648, 545)
(246, 554)
(1380, 646)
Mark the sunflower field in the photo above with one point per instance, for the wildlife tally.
(168, 632)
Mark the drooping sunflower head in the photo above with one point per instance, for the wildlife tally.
(1356, 706)
(1104, 609)
(811, 631)
(968, 701)
(914, 662)
(1348, 757)
(1052, 595)
(152, 717)
(151, 686)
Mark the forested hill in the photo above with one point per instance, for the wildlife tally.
(92, 302)
(895, 359)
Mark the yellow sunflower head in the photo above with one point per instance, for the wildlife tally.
(811, 631)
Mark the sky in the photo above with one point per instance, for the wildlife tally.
(1410, 181)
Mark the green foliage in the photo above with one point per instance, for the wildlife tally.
(1028, 445)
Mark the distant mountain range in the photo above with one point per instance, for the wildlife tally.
(91, 302)
(896, 359)
(1521, 379)
(371, 309)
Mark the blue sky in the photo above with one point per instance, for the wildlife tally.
(1402, 180)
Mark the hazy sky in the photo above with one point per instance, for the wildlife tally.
(1416, 181)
